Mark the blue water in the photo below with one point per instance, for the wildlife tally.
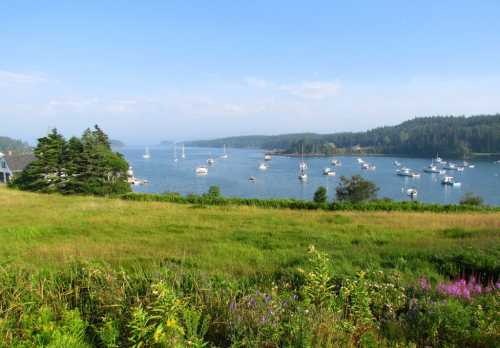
(280, 180)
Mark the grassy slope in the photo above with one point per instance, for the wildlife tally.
(50, 230)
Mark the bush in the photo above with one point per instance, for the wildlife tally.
(356, 189)
(471, 199)
(320, 196)
(213, 191)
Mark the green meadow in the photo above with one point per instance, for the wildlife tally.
(81, 271)
(39, 230)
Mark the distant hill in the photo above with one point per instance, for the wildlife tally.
(117, 143)
(17, 146)
(424, 136)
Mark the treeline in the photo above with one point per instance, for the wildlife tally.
(447, 135)
(85, 165)
(16, 146)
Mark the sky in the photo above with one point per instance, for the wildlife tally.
(148, 71)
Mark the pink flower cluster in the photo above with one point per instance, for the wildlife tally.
(460, 288)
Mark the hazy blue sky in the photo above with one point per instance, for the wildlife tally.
(152, 70)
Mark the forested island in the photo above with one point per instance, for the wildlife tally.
(424, 136)
(13, 145)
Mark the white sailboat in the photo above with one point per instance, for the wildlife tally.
(183, 153)
(302, 167)
(146, 154)
(224, 155)
(175, 153)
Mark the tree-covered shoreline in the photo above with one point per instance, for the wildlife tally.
(449, 136)
(85, 165)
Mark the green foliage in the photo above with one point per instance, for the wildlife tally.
(16, 146)
(78, 166)
(424, 136)
(283, 203)
(213, 192)
(471, 199)
(90, 305)
(356, 189)
(320, 196)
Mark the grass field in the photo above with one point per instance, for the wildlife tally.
(98, 272)
(51, 230)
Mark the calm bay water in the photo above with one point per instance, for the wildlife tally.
(280, 179)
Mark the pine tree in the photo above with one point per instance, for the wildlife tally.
(47, 173)
(87, 165)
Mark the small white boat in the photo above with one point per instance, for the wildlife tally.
(146, 154)
(407, 172)
(450, 166)
(183, 153)
(328, 172)
(267, 157)
(262, 166)
(252, 179)
(335, 162)
(175, 153)
(210, 161)
(460, 169)
(360, 161)
(397, 164)
(497, 162)
(433, 169)
(438, 159)
(412, 193)
(450, 181)
(201, 170)
(471, 166)
(367, 166)
(224, 155)
(302, 167)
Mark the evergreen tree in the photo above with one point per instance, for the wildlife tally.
(47, 173)
(85, 166)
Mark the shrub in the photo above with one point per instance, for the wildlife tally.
(356, 189)
(320, 196)
(471, 199)
(213, 191)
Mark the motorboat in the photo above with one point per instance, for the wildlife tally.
(201, 170)
(450, 166)
(263, 166)
(267, 157)
(210, 161)
(432, 168)
(450, 181)
(367, 166)
(335, 162)
(407, 172)
(252, 179)
(328, 172)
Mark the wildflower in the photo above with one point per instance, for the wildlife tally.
(171, 323)
(424, 284)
